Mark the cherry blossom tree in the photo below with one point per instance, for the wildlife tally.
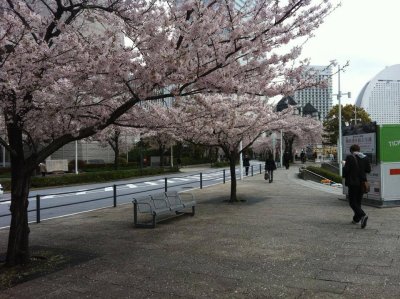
(117, 138)
(57, 64)
(225, 121)
(265, 144)
(65, 74)
(161, 140)
(307, 131)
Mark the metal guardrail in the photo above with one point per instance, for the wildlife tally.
(38, 208)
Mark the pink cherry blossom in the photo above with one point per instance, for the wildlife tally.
(65, 72)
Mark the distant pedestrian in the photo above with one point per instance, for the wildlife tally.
(355, 172)
(286, 159)
(270, 166)
(315, 156)
(42, 168)
(246, 164)
(303, 157)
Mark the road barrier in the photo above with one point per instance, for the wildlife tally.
(114, 188)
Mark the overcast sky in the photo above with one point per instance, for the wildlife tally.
(365, 32)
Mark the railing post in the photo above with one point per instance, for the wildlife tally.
(166, 184)
(224, 176)
(201, 180)
(260, 169)
(252, 173)
(115, 195)
(37, 208)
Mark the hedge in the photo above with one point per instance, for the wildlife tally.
(220, 164)
(90, 177)
(325, 173)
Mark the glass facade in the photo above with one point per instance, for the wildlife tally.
(319, 97)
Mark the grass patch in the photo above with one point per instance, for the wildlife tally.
(44, 261)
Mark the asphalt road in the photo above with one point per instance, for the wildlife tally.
(64, 201)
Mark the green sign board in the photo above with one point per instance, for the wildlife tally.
(389, 143)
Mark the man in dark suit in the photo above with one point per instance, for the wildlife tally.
(355, 172)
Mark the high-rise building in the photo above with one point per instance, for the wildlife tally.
(319, 97)
(380, 97)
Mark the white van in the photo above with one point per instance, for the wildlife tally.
(1, 190)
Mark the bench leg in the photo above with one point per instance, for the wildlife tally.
(142, 225)
(193, 211)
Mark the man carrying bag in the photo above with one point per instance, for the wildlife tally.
(355, 172)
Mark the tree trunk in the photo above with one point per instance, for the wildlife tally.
(18, 239)
(161, 151)
(232, 166)
(21, 172)
(116, 155)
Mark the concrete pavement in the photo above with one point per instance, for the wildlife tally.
(289, 239)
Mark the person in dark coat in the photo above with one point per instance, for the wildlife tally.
(286, 159)
(270, 166)
(303, 157)
(246, 163)
(355, 172)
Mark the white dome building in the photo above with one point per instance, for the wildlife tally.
(380, 97)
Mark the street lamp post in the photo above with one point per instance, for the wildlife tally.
(339, 96)
(355, 115)
(76, 157)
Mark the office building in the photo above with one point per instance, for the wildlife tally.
(380, 97)
(318, 97)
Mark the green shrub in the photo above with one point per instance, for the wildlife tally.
(220, 164)
(6, 183)
(5, 170)
(109, 167)
(325, 173)
(122, 161)
(194, 161)
(89, 177)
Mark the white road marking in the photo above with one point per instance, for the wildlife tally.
(151, 183)
(48, 196)
(108, 189)
(131, 186)
(80, 193)
(181, 179)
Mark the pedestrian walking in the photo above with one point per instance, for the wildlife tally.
(303, 157)
(246, 164)
(286, 159)
(42, 168)
(270, 166)
(355, 172)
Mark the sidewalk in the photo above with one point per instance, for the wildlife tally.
(287, 240)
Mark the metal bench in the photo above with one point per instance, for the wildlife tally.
(167, 203)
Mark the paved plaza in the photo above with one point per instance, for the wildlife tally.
(288, 239)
